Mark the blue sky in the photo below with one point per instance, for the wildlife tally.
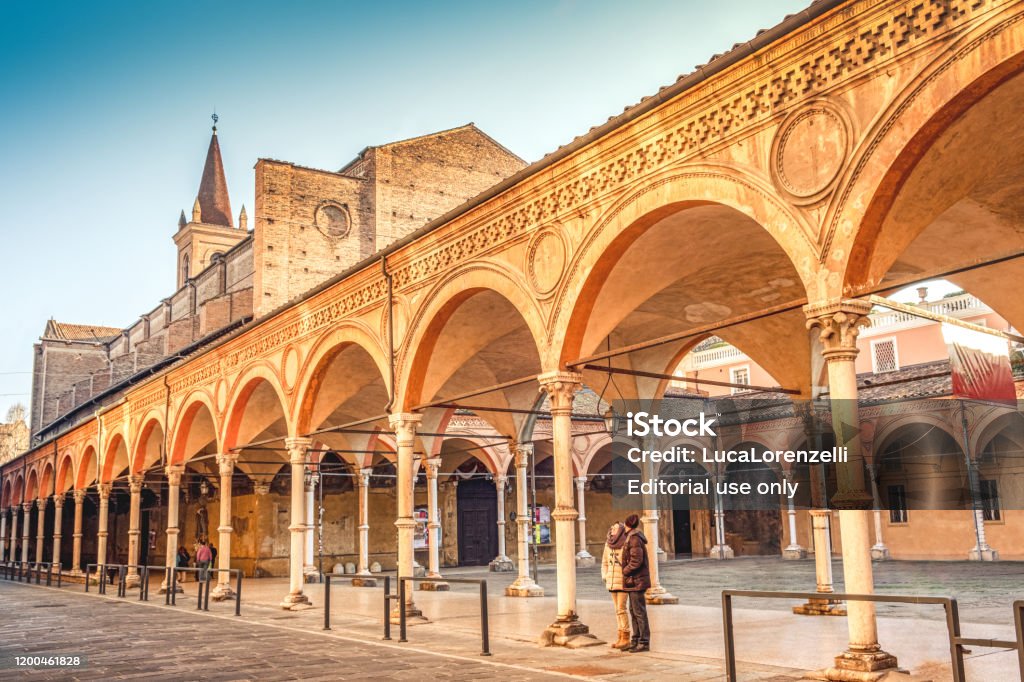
(105, 116)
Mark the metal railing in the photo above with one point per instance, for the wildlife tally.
(402, 580)
(203, 578)
(956, 641)
(22, 571)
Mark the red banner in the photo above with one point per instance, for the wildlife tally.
(980, 365)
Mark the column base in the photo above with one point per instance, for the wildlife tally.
(721, 552)
(986, 554)
(165, 588)
(413, 615)
(310, 574)
(524, 587)
(364, 581)
(296, 602)
(221, 592)
(438, 585)
(864, 666)
(501, 564)
(821, 607)
(132, 581)
(879, 553)
(659, 595)
(584, 558)
(571, 634)
(662, 554)
(794, 552)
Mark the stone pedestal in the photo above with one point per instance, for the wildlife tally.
(721, 552)
(434, 585)
(794, 553)
(524, 587)
(659, 595)
(501, 564)
(568, 633)
(987, 554)
(879, 553)
(364, 581)
(221, 592)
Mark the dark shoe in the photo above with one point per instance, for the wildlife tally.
(639, 648)
(632, 645)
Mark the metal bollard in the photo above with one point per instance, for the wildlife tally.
(173, 594)
(122, 583)
(401, 610)
(483, 619)
(387, 607)
(199, 593)
(206, 598)
(238, 594)
(327, 602)
(101, 578)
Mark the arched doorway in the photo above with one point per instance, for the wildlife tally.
(477, 502)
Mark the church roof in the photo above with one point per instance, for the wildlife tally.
(63, 331)
(214, 204)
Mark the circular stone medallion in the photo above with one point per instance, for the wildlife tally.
(545, 261)
(810, 150)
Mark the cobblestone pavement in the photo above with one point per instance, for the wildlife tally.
(125, 640)
(984, 591)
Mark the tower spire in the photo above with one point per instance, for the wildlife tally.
(213, 189)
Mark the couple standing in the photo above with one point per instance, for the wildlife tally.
(627, 575)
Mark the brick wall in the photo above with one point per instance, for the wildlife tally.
(388, 192)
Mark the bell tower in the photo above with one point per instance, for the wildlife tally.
(211, 230)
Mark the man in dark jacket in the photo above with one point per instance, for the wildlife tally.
(636, 578)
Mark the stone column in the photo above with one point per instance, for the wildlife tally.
(174, 473)
(3, 534)
(297, 449)
(40, 527)
(226, 468)
(583, 557)
(567, 630)
(501, 563)
(879, 552)
(793, 550)
(433, 465)
(76, 538)
(838, 324)
(26, 521)
(821, 528)
(134, 529)
(720, 550)
(363, 578)
(13, 555)
(104, 515)
(58, 521)
(309, 569)
(524, 586)
(404, 426)
(656, 594)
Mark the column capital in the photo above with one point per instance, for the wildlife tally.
(41, 504)
(27, 506)
(310, 481)
(523, 452)
(433, 465)
(580, 481)
(135, 484)
(297, 449)
(104, 490)
(839, 324)
(404, 424)
(226, 463)
(261, 488)
(80, 495)
(364, 477)
(560, 386)
(174, 473)
(58, 500)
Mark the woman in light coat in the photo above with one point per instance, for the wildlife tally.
(611, 573)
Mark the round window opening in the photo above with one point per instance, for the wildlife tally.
(332, 220)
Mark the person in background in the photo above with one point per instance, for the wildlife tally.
(636, 579)
(203, 559)
(611, 573)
